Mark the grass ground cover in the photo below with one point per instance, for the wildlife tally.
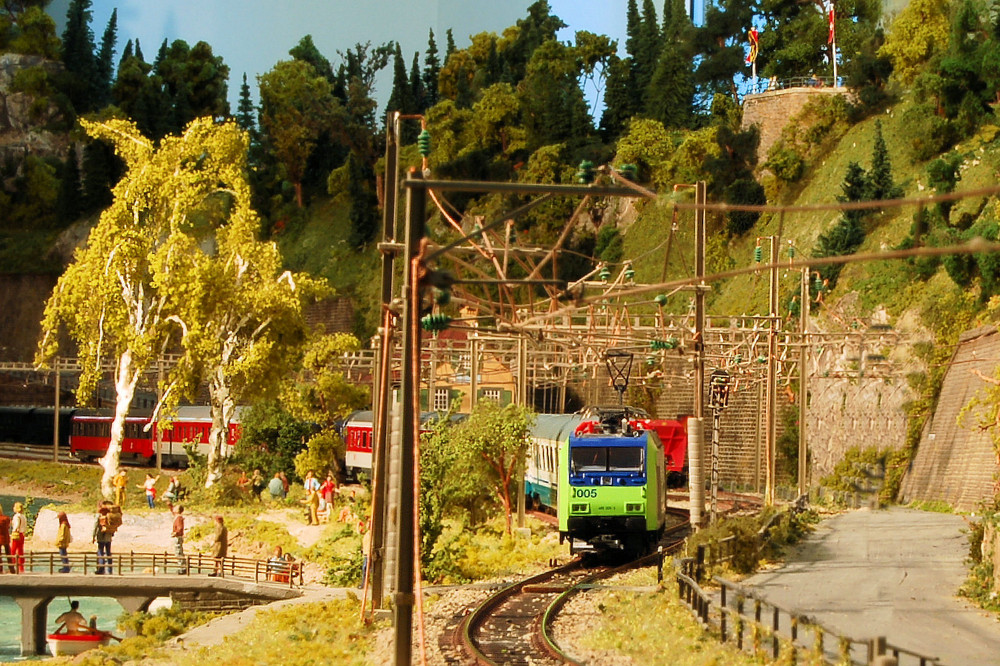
(327, 632)
(654, 628)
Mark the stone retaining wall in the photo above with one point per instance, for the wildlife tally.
(956, 461)
(771, 111)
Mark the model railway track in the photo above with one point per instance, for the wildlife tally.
(514, 625)
(33, 452)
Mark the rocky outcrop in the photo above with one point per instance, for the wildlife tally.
(21, 125)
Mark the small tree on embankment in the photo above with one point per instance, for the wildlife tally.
(494, 441)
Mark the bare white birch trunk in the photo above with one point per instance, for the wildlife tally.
(223, 409)
(125, 383)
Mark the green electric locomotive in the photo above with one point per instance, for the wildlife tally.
(612, 487)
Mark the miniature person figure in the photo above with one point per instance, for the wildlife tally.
(102, 537)
(284, 484)
(119, 481)
(220, 546)
(149, 485)
(18, 527)
(173, 492)
(243, 483)
(115, 518)
(366, 548)
(275, 487)
(312, 504)
(5, 541)
(328, 488)
(310, 483)
(73, 620)
(63, 539)
(277, 567)
(257, 483)
(177, 536)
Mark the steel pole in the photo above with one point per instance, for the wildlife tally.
(696, 436)
(416, 198)
(716, 414)
(382, 388)
(771, 388)
(522, 400)
(803, 383)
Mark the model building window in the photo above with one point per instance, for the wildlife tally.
(492, 394)
(442, 399)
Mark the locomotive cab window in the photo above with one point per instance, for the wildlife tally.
(626, 459)
(589, 459)
(607, 459)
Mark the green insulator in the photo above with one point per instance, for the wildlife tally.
(629, 171)
(442, 296)
(672, 343)
(660, 299)
(585, 172)
(758, 254)
(604, 273)
(762, 360)
(629, 273)
(435, 322)
(650, 361)
(818, 283)
(737, 359)
(424, 143)
(791, 251)
(793, 306)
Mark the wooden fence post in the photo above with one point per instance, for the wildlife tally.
(722, 614)
(774, 635)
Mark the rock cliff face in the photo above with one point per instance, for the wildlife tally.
(22, 130)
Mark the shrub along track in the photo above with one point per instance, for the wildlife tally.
(513, 626)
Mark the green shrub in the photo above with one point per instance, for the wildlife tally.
(785, 163)
(164, 623)
(345, 571)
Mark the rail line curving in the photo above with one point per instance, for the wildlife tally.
(514, 625)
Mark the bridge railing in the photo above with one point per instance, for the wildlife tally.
(276, 572)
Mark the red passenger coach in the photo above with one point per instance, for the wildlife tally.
(357, 435)
(91, 434)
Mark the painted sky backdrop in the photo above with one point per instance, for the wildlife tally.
(253, 35)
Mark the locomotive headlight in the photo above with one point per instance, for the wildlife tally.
(634, 507)
(582, 507)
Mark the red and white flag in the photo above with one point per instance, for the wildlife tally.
(833, 27)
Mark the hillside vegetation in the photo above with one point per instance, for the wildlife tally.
(919, 118)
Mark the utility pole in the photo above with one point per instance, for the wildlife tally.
(718, 397)
(382, 379)
(522, 400)
(770, 406)
(416, 198)
(803, 381)
(695, 428)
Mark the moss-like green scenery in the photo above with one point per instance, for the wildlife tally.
(328, 632)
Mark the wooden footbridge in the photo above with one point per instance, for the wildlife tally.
(134, 580)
